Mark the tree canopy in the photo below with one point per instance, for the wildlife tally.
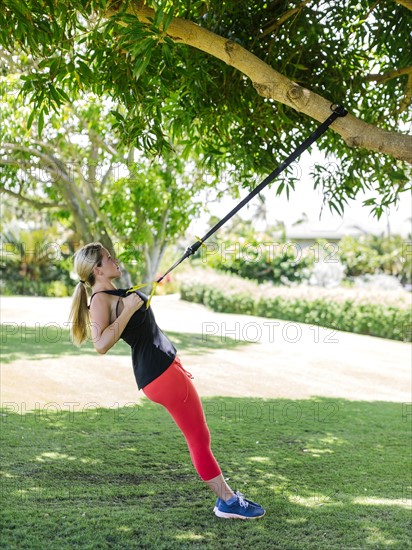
(240, 83)
(81, 175)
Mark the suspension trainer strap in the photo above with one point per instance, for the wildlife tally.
(337, 111)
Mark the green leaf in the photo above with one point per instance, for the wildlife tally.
(30, 119)
(168, 19)
(55, 95)
(63, 94)
(399, 176)
(40, 123)
(117, 115)
(337, 207)
(129, 19)
(85, 70)
(158, 16)
(140, 66)
(167, 54)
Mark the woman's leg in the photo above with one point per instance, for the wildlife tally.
(175, 391)
(219, 486)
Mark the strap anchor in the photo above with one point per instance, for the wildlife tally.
(338, 109)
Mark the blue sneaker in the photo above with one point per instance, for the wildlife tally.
(238, 507)
(218, 500)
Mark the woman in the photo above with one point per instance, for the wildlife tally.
(114, 314)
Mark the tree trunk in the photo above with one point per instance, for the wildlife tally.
(153, 256)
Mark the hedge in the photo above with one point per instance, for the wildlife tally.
(372, 319)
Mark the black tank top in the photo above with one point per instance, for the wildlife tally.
(152, 352)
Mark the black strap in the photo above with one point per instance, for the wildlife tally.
(337, 111)
(116, 292)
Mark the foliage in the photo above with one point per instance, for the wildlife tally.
(260, 256)
(371, 319)
(35, 263)
(84, 178)
(151, 207)
(267, 256)
(166, 93)
(357, 256)
(384, 314)
(68, 169)
(366, 254)
(395, 255)
(262, 261)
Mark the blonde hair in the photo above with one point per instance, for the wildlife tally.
(85, 259)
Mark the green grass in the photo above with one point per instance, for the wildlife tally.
(330, 473)
(45, 342)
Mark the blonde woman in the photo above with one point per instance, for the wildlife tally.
(114, 314)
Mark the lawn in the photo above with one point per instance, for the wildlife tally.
(331, 473)
(34, 342)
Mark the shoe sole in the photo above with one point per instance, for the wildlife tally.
(227, 515)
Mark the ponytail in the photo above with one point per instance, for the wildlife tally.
(85, 260)
(79, 316)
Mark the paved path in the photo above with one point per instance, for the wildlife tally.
(289, 360)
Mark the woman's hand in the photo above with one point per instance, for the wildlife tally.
(132, 303)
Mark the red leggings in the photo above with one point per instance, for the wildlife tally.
(174, 390)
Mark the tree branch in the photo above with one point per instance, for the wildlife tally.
(106, 177)
(52, 165)
(276, 24)
(37, 204)
(70, 192)
(271, 84)
(370, 10)
(93, 134)
(408, 96)
(394, 73)
(47, 159)
(405, 3)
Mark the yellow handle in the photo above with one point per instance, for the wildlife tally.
(137, 287)
(155, 283)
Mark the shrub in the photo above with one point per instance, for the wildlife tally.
(31, 267)
(278, 263)
(385, 314)
(370, 254)
(56, 289)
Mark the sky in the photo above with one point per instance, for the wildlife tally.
(305, 199)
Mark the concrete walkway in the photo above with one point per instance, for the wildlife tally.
(273, 359)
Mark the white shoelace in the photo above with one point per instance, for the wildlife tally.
(242, 500)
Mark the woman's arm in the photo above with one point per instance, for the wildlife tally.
(104, 334)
